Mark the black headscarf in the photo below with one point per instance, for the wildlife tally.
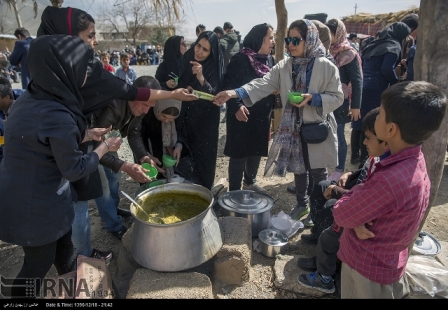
(252, 44)
(101, 86)
(172, 55)
(58, 67)
(389, 41)
(213, 65)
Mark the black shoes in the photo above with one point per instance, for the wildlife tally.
(106, 255)
(308, 239)
(119, 233)
(307, 263)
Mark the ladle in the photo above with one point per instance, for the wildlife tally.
(152, 219)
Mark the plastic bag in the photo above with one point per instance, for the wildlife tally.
(427, 276)
(295, 225)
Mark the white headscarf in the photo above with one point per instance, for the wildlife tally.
(169, 134)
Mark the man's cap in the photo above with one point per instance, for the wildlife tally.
(227, 25)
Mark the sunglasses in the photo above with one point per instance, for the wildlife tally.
(295, 41)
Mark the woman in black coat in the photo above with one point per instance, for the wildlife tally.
(41, 156)
(248, 128)
(198, 123)
(173, 51)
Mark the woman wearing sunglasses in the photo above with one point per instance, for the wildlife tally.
(307, 71)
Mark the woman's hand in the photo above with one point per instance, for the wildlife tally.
(224, 96)
(242, 113)
(95, 134)
(176, 154)
(113, 143)
(355, 114)
(306, 98)
(197, 70)
(171, 84)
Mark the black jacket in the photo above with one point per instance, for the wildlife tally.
(119, 115)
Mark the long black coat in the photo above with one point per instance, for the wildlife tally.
(251, 137)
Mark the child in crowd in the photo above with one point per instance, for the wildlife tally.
(324, 265)
(125, 72)
(105, 58)
(392, 201)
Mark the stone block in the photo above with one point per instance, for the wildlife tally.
(286, 273)
(148, 284)
(233, 261)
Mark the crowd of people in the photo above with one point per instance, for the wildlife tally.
(63, 131)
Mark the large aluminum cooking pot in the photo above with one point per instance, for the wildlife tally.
(178, 246)
(254, 206)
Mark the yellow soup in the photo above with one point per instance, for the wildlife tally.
(172, 206)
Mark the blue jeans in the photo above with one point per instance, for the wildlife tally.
(108, 203)
(81, 229)
(342, 148)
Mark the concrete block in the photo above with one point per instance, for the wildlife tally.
(148, 284)
(233, 261)
(286, 273)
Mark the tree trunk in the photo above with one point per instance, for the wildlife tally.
(16, 12)
(431, 60)
(280, 34)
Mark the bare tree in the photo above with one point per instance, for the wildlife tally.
(130, 18)
(280, 34)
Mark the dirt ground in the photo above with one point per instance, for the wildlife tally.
(261, 286)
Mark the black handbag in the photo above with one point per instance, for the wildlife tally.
(314, 133)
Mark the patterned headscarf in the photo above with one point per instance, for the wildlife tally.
(343, 53)
(285, 154)
(341, 49)
(252, 44)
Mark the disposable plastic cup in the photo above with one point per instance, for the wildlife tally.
(152, 173)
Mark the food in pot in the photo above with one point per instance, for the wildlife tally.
(172, 206)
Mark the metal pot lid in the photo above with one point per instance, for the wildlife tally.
(247, 202)
(427, 244)
(273, 237)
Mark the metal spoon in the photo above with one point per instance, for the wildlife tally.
(154, 219)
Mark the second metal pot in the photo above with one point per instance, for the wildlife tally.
(254, 206)
(272, 242)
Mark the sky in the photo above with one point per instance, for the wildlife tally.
(244, 14)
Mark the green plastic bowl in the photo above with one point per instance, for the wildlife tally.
(152, 173)
(295, 97)
(168, 161)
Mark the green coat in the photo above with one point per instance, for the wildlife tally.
(230, 46)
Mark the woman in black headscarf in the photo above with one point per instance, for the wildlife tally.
(379, 59)
(41, 156)
(198, 124)
(173, 51)
(248, 128)
(101, 86)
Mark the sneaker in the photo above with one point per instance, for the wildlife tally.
(106, 255)
(314, 280)
(291, 189)
(255, 188)
(334, 176)
(308, 222)
(298, 212)
(307, 263)
(308, 239)
(119, 233)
